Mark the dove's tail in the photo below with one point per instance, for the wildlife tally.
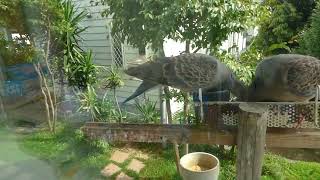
(144, 86)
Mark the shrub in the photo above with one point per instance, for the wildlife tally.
(310, 39)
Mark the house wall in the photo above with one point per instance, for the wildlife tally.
(97, 38)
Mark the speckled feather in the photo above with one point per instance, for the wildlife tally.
(187, 72)
(286, 77)
(304, 75)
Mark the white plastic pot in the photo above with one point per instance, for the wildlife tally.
(199, 166)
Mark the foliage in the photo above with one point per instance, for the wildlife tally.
(60, 18)
(89, 103)
(32, 20)
(103, 110)
(175, 94)
(108, 110)
(113, 78)
(83, 72)
(78, 65)
(243, 67)
(113, 81)
(244, 73)
(15, 51)
(180, 117)
(30, 17)
(281, 24)
(204, 23)
(10, 16)
(310, 40)
(148, 111)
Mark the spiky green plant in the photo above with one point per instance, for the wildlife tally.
(84, 73)
(89, 103)
(113, 81)
(148, 111)
(75, 60)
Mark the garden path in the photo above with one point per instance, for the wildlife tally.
(17, 165)
(122, 160)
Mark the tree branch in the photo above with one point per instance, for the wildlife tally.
(195, 51)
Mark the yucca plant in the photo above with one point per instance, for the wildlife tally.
(71, 29)
(113, 81)
(70, 36)
(89, 103)
(148, 111)
(84, 73)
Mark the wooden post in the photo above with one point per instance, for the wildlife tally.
(251, 140)
(177, 155)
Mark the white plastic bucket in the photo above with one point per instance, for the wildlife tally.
(199, 166)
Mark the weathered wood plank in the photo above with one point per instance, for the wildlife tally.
(156, 133)
(251, 141)
(293, 138)
(276, 137)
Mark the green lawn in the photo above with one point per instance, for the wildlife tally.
(74, 156)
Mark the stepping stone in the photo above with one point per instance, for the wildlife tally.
(136, 165)
(110, 170)
(142, 155)
(123, 176)
(119, 156)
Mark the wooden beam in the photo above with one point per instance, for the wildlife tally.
(293, 138)
(157, 133)
(276, 137)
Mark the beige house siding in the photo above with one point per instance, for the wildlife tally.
(97, 38)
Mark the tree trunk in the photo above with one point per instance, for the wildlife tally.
(52, 100)
(36, 67)
(49, 100)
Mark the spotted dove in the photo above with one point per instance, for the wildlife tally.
(285, 77)
(187, 72)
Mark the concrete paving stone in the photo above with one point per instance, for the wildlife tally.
(119, 156)
(110, 170)
(136, 165)
(123, 176)
(142, 155)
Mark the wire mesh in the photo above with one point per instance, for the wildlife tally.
(117, 51)
(284, 115)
